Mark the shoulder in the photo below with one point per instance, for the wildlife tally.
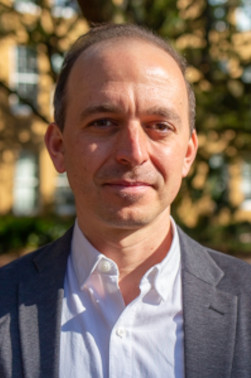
(236, 274)
(12, 274)
(21, 268)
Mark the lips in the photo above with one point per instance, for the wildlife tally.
(130, 190)
(126, 183)
(121, 177)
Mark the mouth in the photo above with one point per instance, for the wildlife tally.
(127, 184)
(133, 189)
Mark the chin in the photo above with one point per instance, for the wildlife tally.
(129, 219)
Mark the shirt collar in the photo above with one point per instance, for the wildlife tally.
(84, 255)
(159, 277)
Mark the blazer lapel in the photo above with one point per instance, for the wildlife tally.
(210, 314)
(40, 302)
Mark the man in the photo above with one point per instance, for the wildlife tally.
(125, 293)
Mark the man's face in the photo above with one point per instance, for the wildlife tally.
(126, 144)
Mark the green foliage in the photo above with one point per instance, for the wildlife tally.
(20, 233)
(233, 238)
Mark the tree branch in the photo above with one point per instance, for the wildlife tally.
(24, 101)
(97, 11)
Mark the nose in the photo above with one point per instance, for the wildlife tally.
(131, 145)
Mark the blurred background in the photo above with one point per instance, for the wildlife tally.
(214, 205)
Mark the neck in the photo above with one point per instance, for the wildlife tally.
(133, 252)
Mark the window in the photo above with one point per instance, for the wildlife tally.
(64, 199)
(27, 6)
(218, 180)
(246, 184)
(25, 194)
(24, 79)
(246, 76)
(243, 16)
(64, 8)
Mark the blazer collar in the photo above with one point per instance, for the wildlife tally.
(40, 303)
(210, 314)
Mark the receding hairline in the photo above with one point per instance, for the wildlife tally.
(151, 40)
(101, 48)
(109, 43)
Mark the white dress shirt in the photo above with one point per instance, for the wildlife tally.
(101, 337)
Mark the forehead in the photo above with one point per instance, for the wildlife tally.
(123, 56)
(124, 68)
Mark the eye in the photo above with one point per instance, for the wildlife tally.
(102, 126)
(161, 126)
(159, 129)
(102, 123)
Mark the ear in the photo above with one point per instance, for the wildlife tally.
(55, 146)
(190, 154)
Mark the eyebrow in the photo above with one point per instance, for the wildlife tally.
(164, 112)
(103, 108)
(160, 111)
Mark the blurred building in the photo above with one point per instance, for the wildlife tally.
(30, 32)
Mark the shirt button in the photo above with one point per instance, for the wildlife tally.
(121, 332)
(105, 266)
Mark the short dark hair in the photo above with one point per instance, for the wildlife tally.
(103, 33)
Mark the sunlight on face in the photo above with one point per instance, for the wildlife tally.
(126, 144)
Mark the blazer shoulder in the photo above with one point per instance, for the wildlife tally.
(22, 267)
(236, 273)
(28, 271)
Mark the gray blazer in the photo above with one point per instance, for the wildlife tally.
(216, 299)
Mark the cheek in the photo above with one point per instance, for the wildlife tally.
(169, 162)
(83, 158)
